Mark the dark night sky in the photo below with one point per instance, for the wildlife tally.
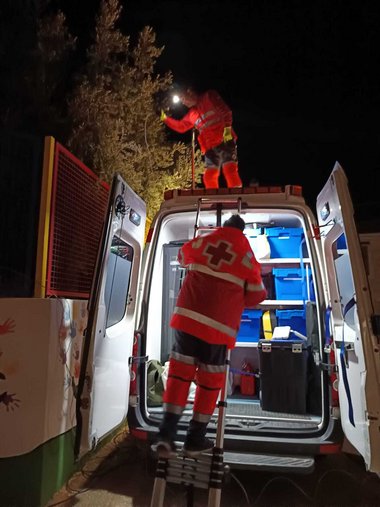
(302, 79)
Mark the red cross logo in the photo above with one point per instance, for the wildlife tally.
(220, 253)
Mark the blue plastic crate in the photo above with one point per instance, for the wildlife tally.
(285, 242)
(290, 283)
(250, 326)
(296, 319)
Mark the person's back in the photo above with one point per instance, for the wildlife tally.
(223, 274)
(223, 278)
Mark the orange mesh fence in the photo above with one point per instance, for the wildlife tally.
(79, 203)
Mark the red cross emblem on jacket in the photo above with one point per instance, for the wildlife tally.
(221, 252)
(223, 278)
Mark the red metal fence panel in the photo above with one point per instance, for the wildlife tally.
(79, 203)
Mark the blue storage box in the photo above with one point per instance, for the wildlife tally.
(290, 283)
(284, 241)
(250, 327)
(296, 319)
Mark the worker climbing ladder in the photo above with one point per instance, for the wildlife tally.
(205, 472)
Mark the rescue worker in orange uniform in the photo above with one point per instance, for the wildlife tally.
(212, 118)
(223, 278)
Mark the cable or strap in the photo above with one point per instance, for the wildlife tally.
(327, 327)
(241, 372)
(303, 271)
(342, 357)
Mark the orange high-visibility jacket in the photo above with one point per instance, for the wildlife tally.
(209, 116)
(223, 278)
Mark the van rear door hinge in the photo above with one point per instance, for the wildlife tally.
(332, 368)
(137, 359)
(375, 321)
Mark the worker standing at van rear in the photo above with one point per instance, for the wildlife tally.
(223, 278)
(212, 118)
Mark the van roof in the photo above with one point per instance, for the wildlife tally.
(258, 194)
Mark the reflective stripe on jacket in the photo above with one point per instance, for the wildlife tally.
(209, 116)
(223, 278)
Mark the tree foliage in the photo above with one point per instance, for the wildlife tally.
(103, 107)
(116, 125)
(35, 51)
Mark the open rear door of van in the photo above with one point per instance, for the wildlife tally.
(103, 390)
(350, 320)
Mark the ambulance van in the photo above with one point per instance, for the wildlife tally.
(305, 372)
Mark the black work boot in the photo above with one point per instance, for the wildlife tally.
(164, 445)
(196, 441)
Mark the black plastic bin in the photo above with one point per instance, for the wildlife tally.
(283, 375)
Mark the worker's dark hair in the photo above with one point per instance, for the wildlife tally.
(181, 86)
(235, 221)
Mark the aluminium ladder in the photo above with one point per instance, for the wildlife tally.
(219, 206)
(206, 471)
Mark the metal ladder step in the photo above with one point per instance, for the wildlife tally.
(184, 470)
(206, 471)
(270, 462)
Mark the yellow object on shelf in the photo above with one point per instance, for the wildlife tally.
(269, 323)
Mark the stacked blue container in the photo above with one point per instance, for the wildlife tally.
(285, 242)
(296, 319)
(290, 283)
(250, 327)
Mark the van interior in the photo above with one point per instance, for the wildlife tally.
(275, 380)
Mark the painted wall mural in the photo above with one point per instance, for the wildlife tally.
(8, 399)
(40, 353)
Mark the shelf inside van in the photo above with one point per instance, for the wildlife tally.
(270, 304)
(246, 344)
(290, 260)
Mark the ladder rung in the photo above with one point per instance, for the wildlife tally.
(207, 470)
(192, 471)
(190, 462)
(201, 469)
(197, 484)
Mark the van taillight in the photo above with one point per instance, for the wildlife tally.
(330, 448)
(134, 366)
(149, 235)
(296, 190)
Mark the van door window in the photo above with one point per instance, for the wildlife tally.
(344, 277)
(118, 280)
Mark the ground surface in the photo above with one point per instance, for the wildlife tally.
(120, 475)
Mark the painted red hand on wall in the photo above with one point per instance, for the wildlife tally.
(9, 400)
(8, 326)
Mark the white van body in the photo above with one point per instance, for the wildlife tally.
(304, 392)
